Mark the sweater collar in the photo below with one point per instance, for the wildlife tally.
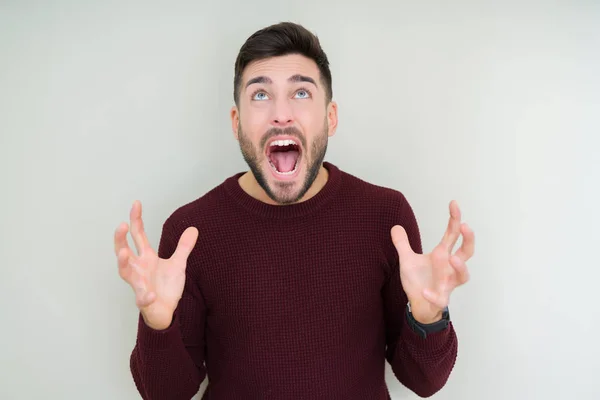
(323, 197)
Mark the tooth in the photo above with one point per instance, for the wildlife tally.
(285, 142)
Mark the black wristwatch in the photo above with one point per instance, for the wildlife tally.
(423, 329)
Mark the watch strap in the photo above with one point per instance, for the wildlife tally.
(424, 329)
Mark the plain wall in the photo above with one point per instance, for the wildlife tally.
(496, 105)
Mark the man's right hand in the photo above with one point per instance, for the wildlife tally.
(157, 283)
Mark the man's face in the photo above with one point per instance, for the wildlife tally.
(283, 124)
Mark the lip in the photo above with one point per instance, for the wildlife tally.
(298, 162)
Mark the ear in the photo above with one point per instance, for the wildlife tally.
(332, 117)
(235, 121)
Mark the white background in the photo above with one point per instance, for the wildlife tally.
(495, 105)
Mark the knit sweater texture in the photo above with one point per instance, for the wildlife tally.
(301, 301)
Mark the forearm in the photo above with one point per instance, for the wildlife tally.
(161, 366)
(423, 364)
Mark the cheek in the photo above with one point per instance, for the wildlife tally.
(310, 119)
(254, 123)
(256, 116)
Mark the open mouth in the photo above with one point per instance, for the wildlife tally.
(283, 156)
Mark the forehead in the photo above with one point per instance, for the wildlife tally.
(281, 68)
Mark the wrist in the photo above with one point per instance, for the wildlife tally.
(424, 313)
(157, 325)
(426, 322)
(426, 319)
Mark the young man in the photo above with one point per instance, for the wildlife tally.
(294, 280)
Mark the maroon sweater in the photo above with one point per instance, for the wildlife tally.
(291, 302)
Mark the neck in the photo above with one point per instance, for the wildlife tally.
(250, 185)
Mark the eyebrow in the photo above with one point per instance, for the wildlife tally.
(302, 78)
(294, 78)
(259, 79)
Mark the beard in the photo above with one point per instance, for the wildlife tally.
(284, 192)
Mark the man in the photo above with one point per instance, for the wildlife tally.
(294, 280)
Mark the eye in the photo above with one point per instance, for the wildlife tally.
(302, 94)
(259, 96)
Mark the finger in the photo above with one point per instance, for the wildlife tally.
(186, 244)
(439, 263)
(137, 228)
(453, 230)
(121, 238)
(125, 269)
(460, 267)
(467, 249)
(439, 300)
(129, 269)
(145, 299)
(140, 288)
(401, 242)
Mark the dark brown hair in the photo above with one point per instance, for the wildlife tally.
(279, 40)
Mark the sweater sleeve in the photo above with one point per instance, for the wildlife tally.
(169, 363)
(422, 365)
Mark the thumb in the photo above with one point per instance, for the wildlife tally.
(400, 240)
(186, 244)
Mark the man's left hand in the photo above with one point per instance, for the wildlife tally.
(429, 279)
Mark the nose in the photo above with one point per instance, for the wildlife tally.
(282, 113)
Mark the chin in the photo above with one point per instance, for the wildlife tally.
(285, 188)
